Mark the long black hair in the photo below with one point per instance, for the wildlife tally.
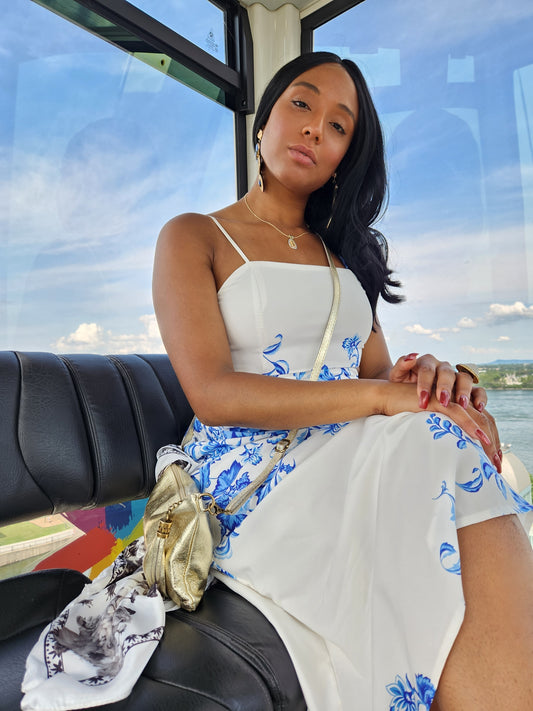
(361, 179)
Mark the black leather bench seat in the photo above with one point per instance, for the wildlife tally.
(82, 431)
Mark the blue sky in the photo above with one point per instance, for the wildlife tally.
(98, 150)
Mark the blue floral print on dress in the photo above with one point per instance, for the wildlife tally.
(485, 472)
(279, 367)
(406, 697)
(449, 558)
(446, 492)
(282, 367)
(351, 346)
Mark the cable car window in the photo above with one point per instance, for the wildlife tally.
(453, 84)
(97, 151)
(204, 26)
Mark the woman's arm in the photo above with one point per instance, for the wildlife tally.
(193, 331)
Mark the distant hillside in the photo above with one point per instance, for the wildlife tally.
(507, 375)
(509, 362)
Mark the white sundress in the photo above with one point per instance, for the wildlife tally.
(350, 547)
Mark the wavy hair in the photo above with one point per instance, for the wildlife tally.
(361, 179)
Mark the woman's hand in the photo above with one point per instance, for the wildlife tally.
(479, 425)
(431, 374)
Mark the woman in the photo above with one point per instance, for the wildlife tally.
(383, 547)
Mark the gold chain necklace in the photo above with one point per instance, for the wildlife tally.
(291, 239)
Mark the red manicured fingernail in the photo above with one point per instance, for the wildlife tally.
(463, 401)
(500, 454)
(423, 400)
(482, 436)
(411, 356)
(480, 406)
(444, 398)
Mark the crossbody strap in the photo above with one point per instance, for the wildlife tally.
(281, 447)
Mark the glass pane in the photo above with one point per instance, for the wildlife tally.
(453, 83)
(97, 151)
(200, 22)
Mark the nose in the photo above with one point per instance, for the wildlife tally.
(314, 131)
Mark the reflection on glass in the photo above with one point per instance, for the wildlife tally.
(200, 22)
(97, 151)
(453, 84)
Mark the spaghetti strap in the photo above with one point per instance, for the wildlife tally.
(230, 240)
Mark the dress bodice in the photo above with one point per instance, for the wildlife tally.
(276, 312)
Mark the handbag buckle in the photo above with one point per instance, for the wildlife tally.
(282, 445)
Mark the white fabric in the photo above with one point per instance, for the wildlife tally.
(95, 651)
(350, 547)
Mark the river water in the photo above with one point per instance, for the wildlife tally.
(513, 410)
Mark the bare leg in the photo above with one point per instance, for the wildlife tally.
(490, 666)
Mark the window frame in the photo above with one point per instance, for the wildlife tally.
(320, 17)
(132, 30)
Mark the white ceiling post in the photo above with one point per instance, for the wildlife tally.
(276, 38)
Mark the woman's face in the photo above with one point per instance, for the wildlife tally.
(310, 128)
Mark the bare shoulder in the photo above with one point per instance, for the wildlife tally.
(186, 228)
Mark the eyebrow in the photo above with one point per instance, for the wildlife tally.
(316, 90)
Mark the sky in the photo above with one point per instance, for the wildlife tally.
(98, 151)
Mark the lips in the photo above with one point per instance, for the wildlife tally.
(303, 155)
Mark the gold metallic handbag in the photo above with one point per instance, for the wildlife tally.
(178, 538)
(177, 531)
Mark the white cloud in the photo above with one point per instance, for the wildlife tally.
(419, 330)
(92, 338)
(509, 312)
(435, 333)
(87, 334)
(466, 322)
(504, 338)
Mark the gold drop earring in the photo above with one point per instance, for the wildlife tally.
(335, 188)
(259, 160)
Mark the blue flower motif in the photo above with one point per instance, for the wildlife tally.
(405, 697)
(440, 428)
(202, 476)
(446, 492)
(252, 453)
(486, 472)
(279, 367)
(229, 483)
(447, 550)
(303, 434)
(474, 484)
(333, 428)
(351, 346)
(214, 448)
(274, 478)
(426, 690)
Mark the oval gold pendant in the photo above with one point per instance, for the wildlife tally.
(292, 244)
